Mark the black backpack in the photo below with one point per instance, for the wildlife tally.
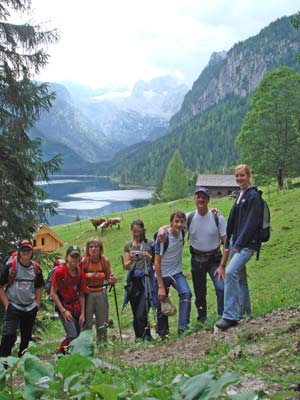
(265, 223)
(166, 242)
(48, 282)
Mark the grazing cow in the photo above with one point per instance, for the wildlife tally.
(97, 222)
(109, 223)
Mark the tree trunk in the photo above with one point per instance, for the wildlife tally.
(280, 179)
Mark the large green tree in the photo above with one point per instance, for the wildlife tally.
(22, 54)
(175, 183)
(269, 139)
(295, 20)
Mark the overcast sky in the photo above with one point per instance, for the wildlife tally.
(117, 42)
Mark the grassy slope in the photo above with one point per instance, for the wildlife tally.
(273, 280)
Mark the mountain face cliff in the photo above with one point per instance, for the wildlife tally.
(205, 128)
(84, 125)
(131, 117)
(240, 70)
(161, 97)
(88, 130)
(124, 127)
(65, 125)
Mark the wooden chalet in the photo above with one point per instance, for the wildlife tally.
(218, 185)
(46, 240)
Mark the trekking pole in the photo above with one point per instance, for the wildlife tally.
(117, 310)
(148, 292)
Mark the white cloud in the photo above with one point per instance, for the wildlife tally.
(118, 42)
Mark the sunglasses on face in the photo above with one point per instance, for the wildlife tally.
(25, 250)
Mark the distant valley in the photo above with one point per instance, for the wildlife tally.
(132, 136)
(90, 126)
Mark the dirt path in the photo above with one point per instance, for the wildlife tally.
(197, 344)
(251, 338)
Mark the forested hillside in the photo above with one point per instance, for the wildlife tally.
(205, 144)
(205, 129)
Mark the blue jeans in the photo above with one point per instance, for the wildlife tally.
(237, 298)
(72, 329)
(199, 275)
(179, 282)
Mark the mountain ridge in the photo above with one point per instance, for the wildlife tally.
(93, 130)
(241, 70)
(205, 128)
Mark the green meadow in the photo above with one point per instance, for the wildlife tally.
(274, 284)
(273, 278)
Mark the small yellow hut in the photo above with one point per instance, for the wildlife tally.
(46, 240)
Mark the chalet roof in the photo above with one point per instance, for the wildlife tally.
(45, 229)
(216, 181)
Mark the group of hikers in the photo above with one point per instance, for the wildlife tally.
(79, 284)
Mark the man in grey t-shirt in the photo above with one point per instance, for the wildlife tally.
(206, 232)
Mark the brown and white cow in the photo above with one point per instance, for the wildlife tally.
(97, 222)
(109, 223)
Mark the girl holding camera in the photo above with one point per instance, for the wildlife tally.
(140, 279)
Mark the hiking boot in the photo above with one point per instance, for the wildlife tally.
(165, 336)
(148, 338)
(183, 332)
(225, 324)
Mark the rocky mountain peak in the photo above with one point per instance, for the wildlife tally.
(239, 72)
(217, 56)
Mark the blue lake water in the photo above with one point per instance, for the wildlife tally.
(89, 196)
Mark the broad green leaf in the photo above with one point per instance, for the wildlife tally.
(205, 387)
(37, 376)
(109, 392)
(195, 386)
(216, 387)
(2, 377)
(11, 361)
(72, 364)
(282, 395)
(17, 395)
(253, 395)
(83, 344)
(76, 382)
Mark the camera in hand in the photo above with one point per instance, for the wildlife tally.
(137, 255)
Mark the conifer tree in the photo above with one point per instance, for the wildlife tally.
(175, 184)
(22, 54)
